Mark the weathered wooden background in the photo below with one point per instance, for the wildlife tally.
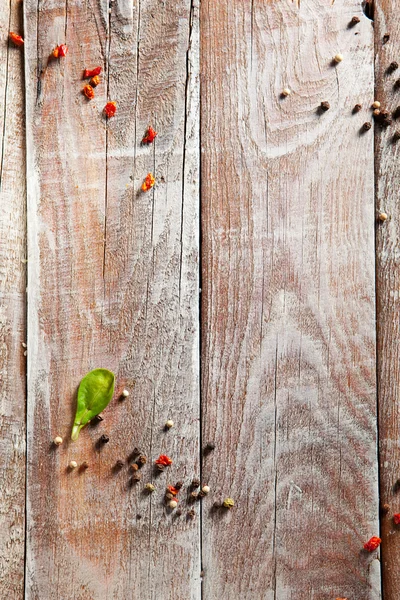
(252, 296)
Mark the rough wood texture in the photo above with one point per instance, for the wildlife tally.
(113, 282)
(288, 352)
(387, 173)
(12, 306)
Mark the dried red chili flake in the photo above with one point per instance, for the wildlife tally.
(150, 136)
(110, 109)
(17, 39)
(372, 544)
(172, 490)
(91, 72)
(94, 82)
(148, 182)
(163, 460)
(60, 51)
(88, 91)
(396, 519)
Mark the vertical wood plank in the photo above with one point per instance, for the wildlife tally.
(113, 282)
(387, 281)
(289, 394)
(12, 306)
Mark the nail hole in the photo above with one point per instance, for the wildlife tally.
(368, 9)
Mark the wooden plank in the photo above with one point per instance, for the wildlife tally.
(113, 282)
(288, 355)
(12, 307)
(387, 287)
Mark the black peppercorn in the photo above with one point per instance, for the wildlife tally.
(325, 106)
(104, 439)
(367, 126)
(357, 108)
(354, 21)
(159, 467)
(98, 419)
(142, 460)
(393, 66)
(179, 485)
(196, 483)
(191, 514)
(119, 464)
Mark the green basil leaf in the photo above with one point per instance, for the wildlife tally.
(95, 392)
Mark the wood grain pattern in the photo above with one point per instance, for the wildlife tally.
(288, 301)
(113, 282)
(12, 306)
(387, 289)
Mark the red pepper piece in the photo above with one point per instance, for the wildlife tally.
(110, 109)
(91, 72)
(147, 185)
(172, 490)
(396, 519)
(60, 51)
(372, 544)
(164, 460)
(150, 136)
(17, 39)
(88, 91)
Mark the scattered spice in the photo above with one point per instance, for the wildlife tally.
(179, 485)
(163, 460)
(58, 440)
(134, 467)
(393, 66)
(286, 92)
(372, 544)
(205, 489)
(88, 91)
(367, 126)
(60, 51)
(142, 460)
(104, 439)
(98, 419)
(119, 464)
(194, 495)
(16, 39)
(160, 467)
(178, 513)
(385, 507)
(136, 476)
(325, 106)
(191, 514)
(138, 517)
(396, 519)
(376, 112)
(357, 108)
(210, 446)
(228, 503)
(84, 465)
(169, 496)
(87, 73)
(149, 487)
(376, 104)
(202, 494)
(338, 58)
(135, 451)
(110, 109)
(383, 217)
(196, 483)
(386, 38)
(169, 424)
(150, 136)
(148, 182)
(172, 504)
(354, 21)
(172, 490)
(397, 83)
(125, 394)
(73, 464)
(94, 82)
